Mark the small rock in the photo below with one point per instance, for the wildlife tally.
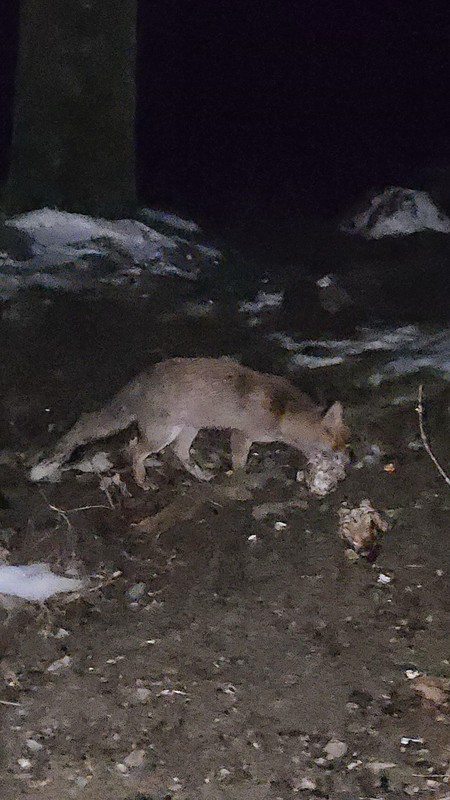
(143, 694)
(121, 768)
(33, 745)
(24, 763)
(62, 633)
(432, 688)
(411, 674)
(407, 740)
(135, 759)
(62, 663)
(335, 749)
(136, 592)
(304, 784)
(224, 774)
(380, 766)
(412, 790)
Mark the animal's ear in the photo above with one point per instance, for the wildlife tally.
(334, 418)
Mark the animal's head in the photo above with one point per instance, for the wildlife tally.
(308, 431)
(335, 432)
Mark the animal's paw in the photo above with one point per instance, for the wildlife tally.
(142, 481)
(199, 473)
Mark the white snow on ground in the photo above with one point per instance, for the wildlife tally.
(263, 300)
(209, 252)
(172, 220)
(397, 212)
(65, 250)
(58, 236)
(35, 582)
(407, 350)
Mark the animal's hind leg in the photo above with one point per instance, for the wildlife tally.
(139, 452)
(155, 440)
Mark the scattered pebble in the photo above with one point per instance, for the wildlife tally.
(62, 663)
(135, 759)
(431, 688)
(143, 694)
(136, 592)
(380, 766)
(384, 579)
(33, 745)
(335, 749)
(24, 763)
(280, 526)
(354, 765)
(407, 740)
(62, 633)
(98, 463)
(304, 784)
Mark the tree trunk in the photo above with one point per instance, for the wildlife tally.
(73, 139)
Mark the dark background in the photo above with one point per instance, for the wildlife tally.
(299, 105)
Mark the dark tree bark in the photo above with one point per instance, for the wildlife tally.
(73, 140)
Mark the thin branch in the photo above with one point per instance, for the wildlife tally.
(425, 441)
(72, 510)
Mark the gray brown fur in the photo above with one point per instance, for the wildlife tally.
(175, 399)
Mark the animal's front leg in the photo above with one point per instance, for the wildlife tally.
(240, 448)
(182, 449)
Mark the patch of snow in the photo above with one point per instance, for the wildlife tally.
(316, 362)
(262, 301)
(74, 252)
(46, 471)
(172, 220)
(53, 232)
(97, 464)
(397, 212)
(325, 282)
(35, 582)
(210, 252)
(409, 349)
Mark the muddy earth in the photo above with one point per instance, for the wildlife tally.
(226, 657)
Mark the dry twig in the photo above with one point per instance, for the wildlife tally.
(425, 441)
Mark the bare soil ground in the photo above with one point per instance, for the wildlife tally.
(224, 659)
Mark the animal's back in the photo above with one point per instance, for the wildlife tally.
(212, 393)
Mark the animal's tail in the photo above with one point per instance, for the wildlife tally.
(90, 427)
